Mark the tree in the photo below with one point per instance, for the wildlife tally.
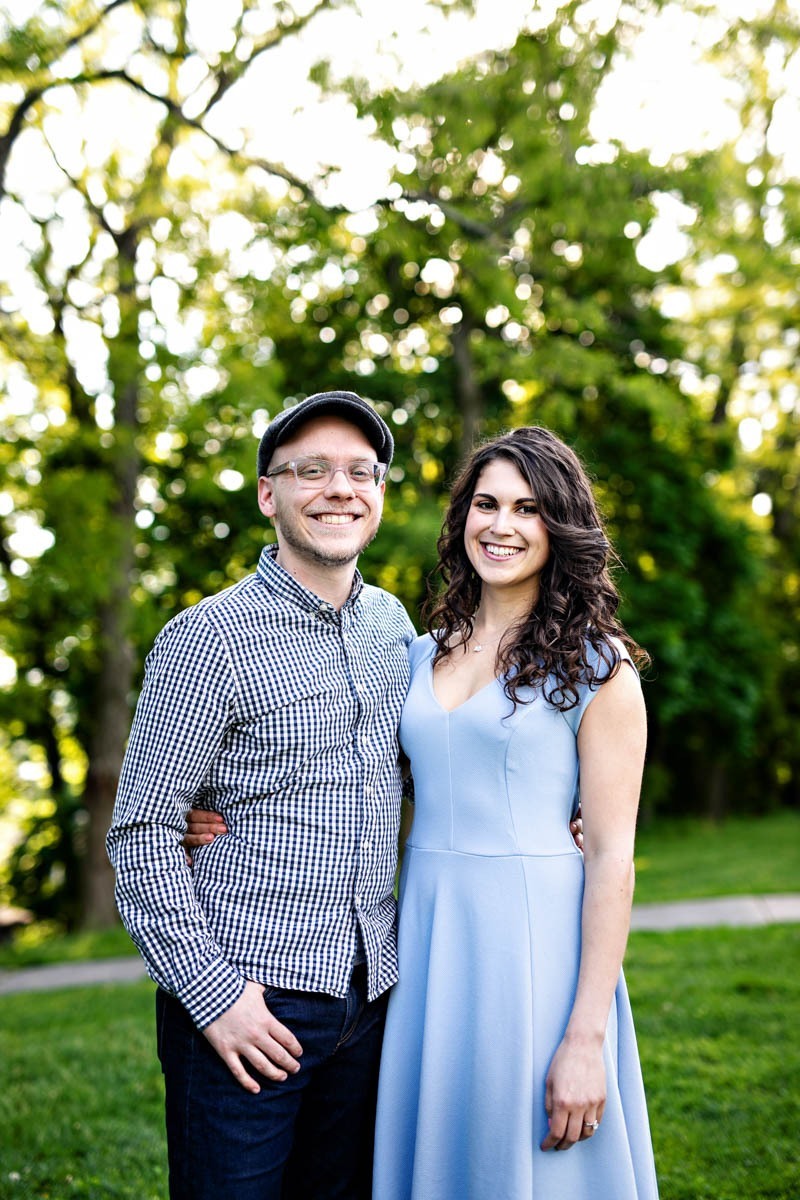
(496, 282)
(119, 254)
(734, 304)
(499, 283)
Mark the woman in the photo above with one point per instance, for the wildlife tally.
(509, 1035)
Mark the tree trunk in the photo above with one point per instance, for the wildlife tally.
(718, 792)
(115, 680)
(112, 720)
(468, 393)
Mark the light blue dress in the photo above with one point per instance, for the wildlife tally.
(489, 947)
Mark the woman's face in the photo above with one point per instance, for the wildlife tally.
(504, 536)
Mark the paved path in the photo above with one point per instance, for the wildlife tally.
(684, 914)
(724, 910)
(72, 974)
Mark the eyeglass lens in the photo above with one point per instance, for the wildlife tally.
(318, 471)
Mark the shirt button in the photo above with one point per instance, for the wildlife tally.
(358, 898)
(367, 846)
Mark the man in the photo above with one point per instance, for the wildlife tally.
(277, 704)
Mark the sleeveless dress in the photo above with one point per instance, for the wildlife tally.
(489, 945)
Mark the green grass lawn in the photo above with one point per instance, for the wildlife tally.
(81, 1095)
(716, 1017)
(716, 1010)
(716, 1014)
(682, 860)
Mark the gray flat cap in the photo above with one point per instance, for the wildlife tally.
(346, 405)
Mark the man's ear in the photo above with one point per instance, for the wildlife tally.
(266, 496)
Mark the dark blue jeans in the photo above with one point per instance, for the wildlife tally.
(307, 1138)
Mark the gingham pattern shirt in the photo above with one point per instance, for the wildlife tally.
(281, 713)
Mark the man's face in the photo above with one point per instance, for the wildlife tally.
(326, 524)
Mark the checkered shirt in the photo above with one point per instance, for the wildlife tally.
(281, 713)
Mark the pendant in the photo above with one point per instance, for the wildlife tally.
(476, 649)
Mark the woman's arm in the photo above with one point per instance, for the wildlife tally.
(202, 826)
(611, 747)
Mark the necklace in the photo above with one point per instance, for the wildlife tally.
(478, 647)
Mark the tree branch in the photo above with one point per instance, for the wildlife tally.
(81, 190)
(14, 127)
(90, 28)
(35, 94)
(194, 123)
(5, 557)
(468, 224)
(226, 79)
(80, 403)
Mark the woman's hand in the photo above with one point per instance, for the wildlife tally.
(202, 826)
(575, 1092)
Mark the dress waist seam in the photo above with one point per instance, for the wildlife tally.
(471, 854)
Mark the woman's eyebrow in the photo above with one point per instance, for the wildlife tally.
(489, 496)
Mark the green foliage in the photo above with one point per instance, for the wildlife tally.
(738, 292)
(44, 943)
(42, 871)
(496, 282)
(501, 286)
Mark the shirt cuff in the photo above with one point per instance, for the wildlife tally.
(211, 993)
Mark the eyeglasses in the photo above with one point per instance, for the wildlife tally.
(318, 472)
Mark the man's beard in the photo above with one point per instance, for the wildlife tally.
(325, 557)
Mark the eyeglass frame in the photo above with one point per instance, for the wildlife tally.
(379, 471)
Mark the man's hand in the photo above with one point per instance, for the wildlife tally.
(249, 1031)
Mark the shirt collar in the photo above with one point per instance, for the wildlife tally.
(290, 589)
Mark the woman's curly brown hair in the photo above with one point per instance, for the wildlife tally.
(577, 599)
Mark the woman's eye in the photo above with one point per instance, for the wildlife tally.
(529, 510)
